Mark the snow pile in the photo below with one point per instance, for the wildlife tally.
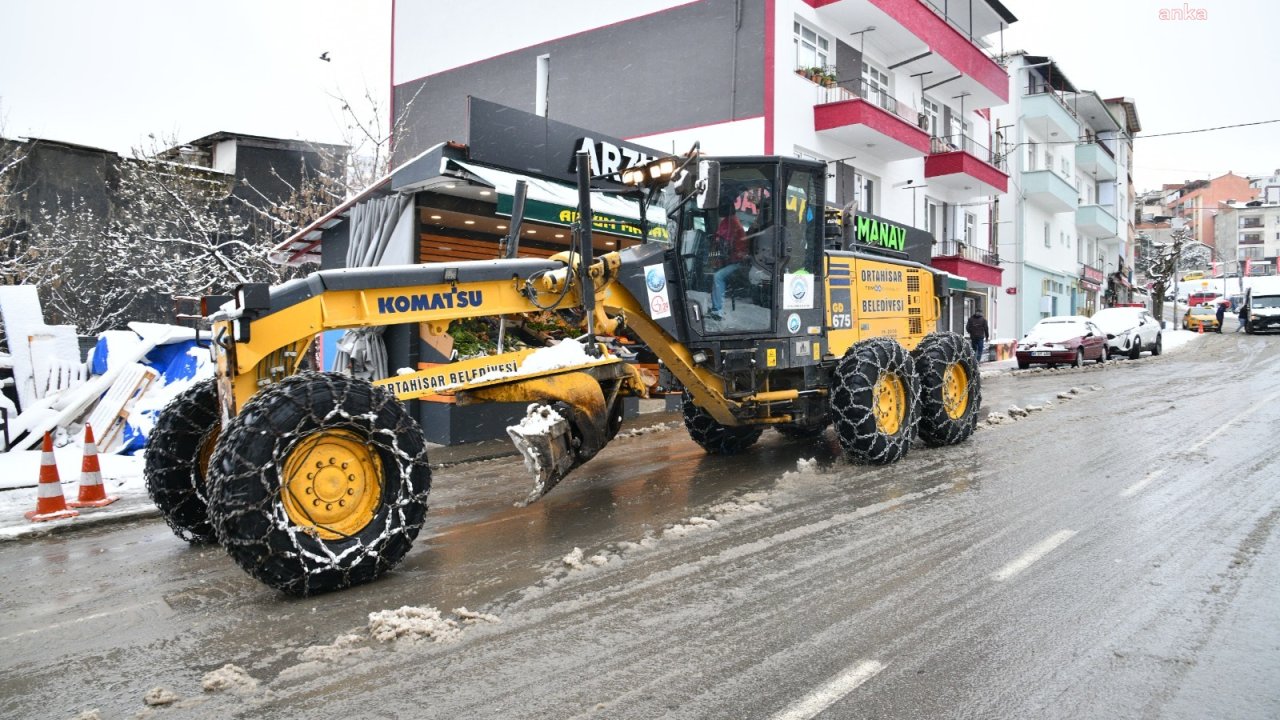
(344, 646)
(228, 677)
(692, 525)
(566, 353)
(159, 696)
(416, 623)
(574, 560)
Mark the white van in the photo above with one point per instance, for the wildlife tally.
(1263, 301)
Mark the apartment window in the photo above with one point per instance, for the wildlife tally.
(970, 228)
(811, 47)
(933, 221)
(876, 82)
(966, 137)
(1048, 234)
(1250, 253)
(1250, 238)
(542, 85)
(865, 187)
(1048, 159)
(932, 117)
(1066, 168)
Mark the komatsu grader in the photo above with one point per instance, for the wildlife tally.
(317, 481)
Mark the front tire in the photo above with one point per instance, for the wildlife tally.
(713, 437)
(1135, 352)
(950, 388)
(177, 464)
(874, 403)
(319, 483)
(1079, 361)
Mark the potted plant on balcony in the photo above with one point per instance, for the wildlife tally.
(828, 78)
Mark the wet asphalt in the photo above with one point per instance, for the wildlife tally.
(1114, 553)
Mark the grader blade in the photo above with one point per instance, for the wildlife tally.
(545, 440)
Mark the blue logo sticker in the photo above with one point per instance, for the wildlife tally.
(808, 216)
(655, 279)
(793, 323)
(799, 288)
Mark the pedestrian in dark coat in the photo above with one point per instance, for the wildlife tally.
(1222, 312)
(978, 331)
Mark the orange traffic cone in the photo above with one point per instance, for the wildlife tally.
(92, 494)
(50, 505)
(1201, 326)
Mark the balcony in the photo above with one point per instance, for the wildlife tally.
(959, 163)
(967, 261)
(1251, 222)
(1095, 221)
(1096, 159)
(869, 119)
(1044, 110)
(926, 39)
(1049, 191)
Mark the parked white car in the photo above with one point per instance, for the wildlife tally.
(1130, 331)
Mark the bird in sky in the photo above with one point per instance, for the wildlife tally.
(325, 56)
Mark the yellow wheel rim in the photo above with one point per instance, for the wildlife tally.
(890, 399)
(205, 452)
(955, 391)
(331, 484)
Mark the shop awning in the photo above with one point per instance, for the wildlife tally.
(556, 203)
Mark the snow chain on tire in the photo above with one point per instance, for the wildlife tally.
(870, 372)
(287, 455)
(715, 438)
(950, 388)
(178, 450)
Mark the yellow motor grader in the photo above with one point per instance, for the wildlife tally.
(317, 481)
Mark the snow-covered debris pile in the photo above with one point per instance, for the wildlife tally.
(228, 677)
(416, 623)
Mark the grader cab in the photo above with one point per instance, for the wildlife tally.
(317, 481)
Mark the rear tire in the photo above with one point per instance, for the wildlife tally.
(874, 402)
(1159, 348)
(1102, 356)
(713, 437)
(319, 483)
(950, 388)
(177, 464)
(1023, 365)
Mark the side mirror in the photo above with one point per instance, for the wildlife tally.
(1110, 336)
(708, 184)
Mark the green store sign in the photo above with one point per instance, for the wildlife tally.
(552, 214)
(870, 231)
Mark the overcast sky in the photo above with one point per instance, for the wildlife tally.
(107, 74)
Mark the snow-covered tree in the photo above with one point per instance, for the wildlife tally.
(1161, 264)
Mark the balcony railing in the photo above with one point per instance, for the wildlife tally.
(1251, 222)
(1038, 88)
(1251, 239)
(961, 249)
(854, 89)
(954, 143)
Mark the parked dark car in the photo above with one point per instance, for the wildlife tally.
(1062, 339)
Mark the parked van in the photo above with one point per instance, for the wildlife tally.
(1263, 301)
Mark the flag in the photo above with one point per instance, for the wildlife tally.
(1247, 264)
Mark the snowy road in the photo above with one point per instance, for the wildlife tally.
(1113, 554)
